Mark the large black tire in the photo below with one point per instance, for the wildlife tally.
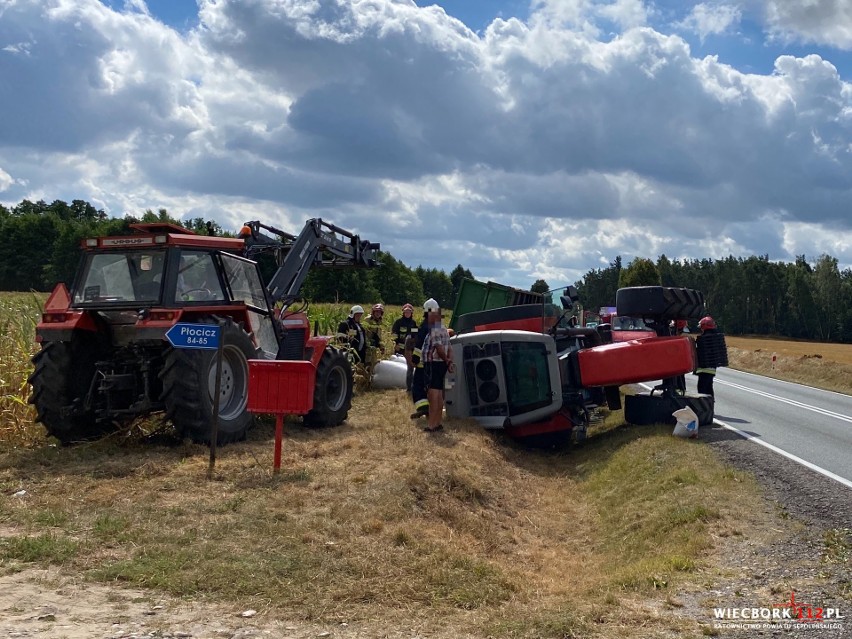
(645, 408)
(663, 302)
(189, 382)
(61, 379)
(333, 390)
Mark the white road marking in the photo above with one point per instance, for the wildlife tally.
(775, 449)
(784, 381)
(792, 402)
(798, 460)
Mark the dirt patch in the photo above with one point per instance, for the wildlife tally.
(45, 603)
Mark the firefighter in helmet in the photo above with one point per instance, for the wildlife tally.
(351, 332)
(404, 332)
(706, 374)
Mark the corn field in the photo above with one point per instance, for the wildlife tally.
(19, 314)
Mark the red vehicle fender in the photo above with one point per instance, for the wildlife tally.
(638, 360)
(316, 347)
(556, 423)
(58, 320)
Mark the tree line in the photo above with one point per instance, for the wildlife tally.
(746, 296)
(41, 246)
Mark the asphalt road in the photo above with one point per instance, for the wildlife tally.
(814, 426)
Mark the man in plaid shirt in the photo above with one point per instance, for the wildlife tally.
(438, 359)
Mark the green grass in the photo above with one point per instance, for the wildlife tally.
(838, 545)
(657, 497)
(390, 531)
(46, 548)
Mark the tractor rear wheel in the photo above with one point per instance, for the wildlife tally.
(189, 386)
(644, 408)
(664, 302)
(333, 391)
(61, 380)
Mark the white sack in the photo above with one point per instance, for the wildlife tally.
(687, 423)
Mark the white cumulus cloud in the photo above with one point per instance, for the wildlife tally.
(538, 148)
(712, 19)
(811, 21)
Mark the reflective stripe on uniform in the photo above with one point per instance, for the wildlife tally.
(706, 371)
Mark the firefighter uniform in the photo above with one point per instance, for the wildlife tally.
(351, 332)
(373, 330)
(404, 331)
(419, 381)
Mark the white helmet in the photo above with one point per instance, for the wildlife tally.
(355, 310)
(431, 306)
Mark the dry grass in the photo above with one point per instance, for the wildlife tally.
(377, 522)
(827, 366)
(839, 353)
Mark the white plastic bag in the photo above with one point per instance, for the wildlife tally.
(687, 423)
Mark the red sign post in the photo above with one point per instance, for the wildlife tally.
(280, 388)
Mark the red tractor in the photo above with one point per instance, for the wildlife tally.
(624, 328)
(526, 370)
(104, 357)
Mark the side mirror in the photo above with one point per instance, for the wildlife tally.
(567, 303)
(572, 293)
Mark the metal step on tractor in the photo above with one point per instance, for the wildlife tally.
(105, 359)
(527, 370)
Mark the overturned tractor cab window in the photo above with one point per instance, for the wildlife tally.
(121, 277)
(197, 280)
(528, 384)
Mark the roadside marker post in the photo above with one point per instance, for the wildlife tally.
(281, 388)
(203, 337)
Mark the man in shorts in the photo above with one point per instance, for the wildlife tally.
(438, 359)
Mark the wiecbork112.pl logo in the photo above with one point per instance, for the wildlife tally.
(807, 613)
(785, 615)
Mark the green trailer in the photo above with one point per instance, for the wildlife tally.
(475, 296)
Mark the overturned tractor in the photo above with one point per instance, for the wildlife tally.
(527, 371)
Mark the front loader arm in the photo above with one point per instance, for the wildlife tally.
(319, 244)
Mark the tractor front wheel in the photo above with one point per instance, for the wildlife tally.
(189, 386)
(333, 391)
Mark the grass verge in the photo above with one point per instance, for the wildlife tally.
(378, 523)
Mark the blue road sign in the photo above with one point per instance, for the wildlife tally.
(185, 335)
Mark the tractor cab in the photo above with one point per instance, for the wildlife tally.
(161, 267)
(163, 274)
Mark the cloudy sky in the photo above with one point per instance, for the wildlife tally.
(522, 139)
